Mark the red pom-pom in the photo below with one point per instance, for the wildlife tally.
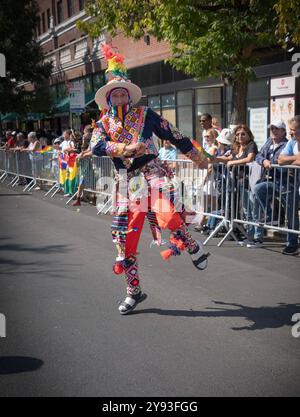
(118, 268)
(166, 254)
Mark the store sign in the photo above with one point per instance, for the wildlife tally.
(282, 108)
(283, 86)
(77, 97)
(2, 66)
(259, 124)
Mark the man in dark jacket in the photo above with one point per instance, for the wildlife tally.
(271, 177)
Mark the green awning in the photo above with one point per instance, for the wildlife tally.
(62, 106)
(34, 116)
(9, 117)
(89, 98)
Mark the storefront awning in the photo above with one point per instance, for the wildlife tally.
(9, 117)
(89, 98)
(62, 106)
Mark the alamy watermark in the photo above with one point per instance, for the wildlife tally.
(2, 325)
(2, 66)
(296, 327)
(296, 67)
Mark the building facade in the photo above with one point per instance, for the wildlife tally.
(77, 58)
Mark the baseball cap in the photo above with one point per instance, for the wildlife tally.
(56, 141)
(279, 124)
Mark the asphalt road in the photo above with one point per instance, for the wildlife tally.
(222, 332)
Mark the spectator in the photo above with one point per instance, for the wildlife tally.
(54, 160)
(290, 155)
(244, 148)
(167, 152)
(76, 138)
(10, 140)
(86, 167)
(216, 124)
(267, 157)
(206, 124)
(264, 189)
(20, 142)
(67, 145)
(36, 159)
(87, 136)
(209, 186)
(34, 143)
(224, 144)
(244, 151)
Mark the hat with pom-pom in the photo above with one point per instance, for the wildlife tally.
(116, 75)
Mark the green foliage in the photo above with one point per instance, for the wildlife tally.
(217, 38)
(288, 13)
(24, 58)
(213, 38)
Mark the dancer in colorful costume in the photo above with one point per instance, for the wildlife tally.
(144, 185)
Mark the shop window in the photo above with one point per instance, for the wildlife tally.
(185, 98)
(170, 115)
(208, 95)
(185, 120)
(168, 100)
(154, 102)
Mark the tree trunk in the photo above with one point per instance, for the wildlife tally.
(239, 101)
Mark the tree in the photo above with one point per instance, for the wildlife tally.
(24, 58)
(288, 14)
(220, 38)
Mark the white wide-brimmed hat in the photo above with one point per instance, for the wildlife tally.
(118, 79)
(226, 136)
(134, 91)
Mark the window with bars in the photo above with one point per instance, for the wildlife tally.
(60, 15)
(65, 56)
(80, 49)
(43, 23)
(70, 7)
(48, 18)
(81, 4)
(38, 26)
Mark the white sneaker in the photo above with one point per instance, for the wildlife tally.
(244, 242)
(199, 257)
(255, 244)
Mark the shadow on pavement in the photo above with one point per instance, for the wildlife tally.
(36, 249)
(13, 195)
(259, 317)
(18, 364)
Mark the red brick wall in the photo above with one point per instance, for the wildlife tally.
(137, 53)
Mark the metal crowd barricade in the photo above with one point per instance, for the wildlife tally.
(243, 197)
(96, 175)
(271, 202)
(46, 168)
(11, 166)
(26, 168)
(3, 173)
(204, 191)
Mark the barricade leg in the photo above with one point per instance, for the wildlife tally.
(51, 189)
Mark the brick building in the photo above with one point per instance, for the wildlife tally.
(180, 99)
